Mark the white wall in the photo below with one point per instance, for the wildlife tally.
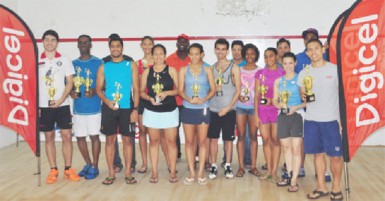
(250, 20)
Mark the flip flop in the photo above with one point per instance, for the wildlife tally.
(188, 181)
(130, 180)
(109, 180)
(240, 173)
(202, 181)
(142, 170)
(173, 179)
(293, 189)
(154, 180)
(336, 196)
(255, 172)
(316, 194)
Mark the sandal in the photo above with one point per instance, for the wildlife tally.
(130, 180)
(154, 180)
(240, 173)
(255, 172)
(173, 179)
(265, 177)
(284, 182)
(109, 180)
(202, 181)
(293, 189)
(316, 194)
(118, 168)
(336, 196)
(142, 170)
(188, 181)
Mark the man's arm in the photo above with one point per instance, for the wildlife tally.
(100, 87)
(135, 90)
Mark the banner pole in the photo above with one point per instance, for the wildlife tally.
(17, 139)
(38, 173)
(347, 185)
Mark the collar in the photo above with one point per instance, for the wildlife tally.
(44, 56)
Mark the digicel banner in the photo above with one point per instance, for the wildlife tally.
(361, 66)
(18, 73)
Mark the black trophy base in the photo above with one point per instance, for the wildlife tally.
(246, 98)
(285, 111)
(219, 93)
(194, 97)
(51, 103)
(310, 98)
(78, 94)
(263, 101)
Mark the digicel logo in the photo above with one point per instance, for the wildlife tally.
(13, 84)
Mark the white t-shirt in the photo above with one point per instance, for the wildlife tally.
(56, 69)
(325, 88)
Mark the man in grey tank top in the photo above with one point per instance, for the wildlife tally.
(222, 107)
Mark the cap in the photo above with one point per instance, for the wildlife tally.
(183, 36)
(310, 30)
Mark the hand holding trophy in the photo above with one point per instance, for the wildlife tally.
(308, 83)
(78, 81)
(284, 96)
(158, 88)
(262, 89)
(117, 95)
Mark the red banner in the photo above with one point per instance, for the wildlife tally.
(361, 66)
(18, 73)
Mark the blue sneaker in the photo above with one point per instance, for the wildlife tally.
(84, 170)
(301, 172)
(93, 172)
(285, 175)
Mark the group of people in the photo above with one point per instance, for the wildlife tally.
(292, 100)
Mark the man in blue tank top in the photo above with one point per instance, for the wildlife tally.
(115, 79)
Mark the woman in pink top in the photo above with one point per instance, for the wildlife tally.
(266, 113)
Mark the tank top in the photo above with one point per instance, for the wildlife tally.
(118, 77)
(169, 103)
(293, 88)
(228, 87)
(247, 88)
(270, 77)
(204, 87)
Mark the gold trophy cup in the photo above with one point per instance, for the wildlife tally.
(308, 83)
(88, 81)
(284, 96)
(195, 88)
(78, 81)
(51, 91)
(117, 95)
(245, 92)
(262, 89)
(219, 82)
(158, 88)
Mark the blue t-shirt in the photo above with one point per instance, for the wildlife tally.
(204, 88)
(85, 105)
(115, 74)
(303, 60)
(293, 89)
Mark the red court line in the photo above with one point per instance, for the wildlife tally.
(168, 38)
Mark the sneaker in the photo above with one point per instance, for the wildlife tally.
(71, 175)
(328, 178)
(93, 172)
(52, 176)
(213, 172)
(229, 172)
(84, 170)
(264, 167)
(285, 175)
(301, 172)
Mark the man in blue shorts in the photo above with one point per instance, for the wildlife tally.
(321, 127)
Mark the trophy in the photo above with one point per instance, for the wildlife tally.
(195, 89)
(284, 98)
(219, 82)
(78, 81)
(262, 89)
(51, 90)
(308, 83)
(157, 87)
(117, 95)
(245, 92)
(88, 81)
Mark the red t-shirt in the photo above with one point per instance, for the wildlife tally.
(174, 61)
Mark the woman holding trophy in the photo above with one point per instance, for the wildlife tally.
(287, 99)
(159, 86)
(196, 87)
(266, 113)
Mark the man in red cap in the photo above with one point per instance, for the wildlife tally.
(179, 59)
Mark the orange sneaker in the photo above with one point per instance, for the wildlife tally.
(52, 176)
(71, 175)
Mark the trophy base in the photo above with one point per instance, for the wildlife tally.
(263, 101)
(285, 111)
(219, 93)
(157, 100)
(194, 97)
(116, 106)
(51, 102)
(246, 98)
(310, 98)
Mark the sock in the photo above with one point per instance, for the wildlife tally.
(67, 167)
(227, 164)
(214, 165)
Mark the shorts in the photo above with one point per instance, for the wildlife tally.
(114, 119)
(161, 120)
(268, 114)
(245, 111)
(225, 123)
(289, 126)
(321, 137)
(85, 125)
(195, 116)
(61, 116)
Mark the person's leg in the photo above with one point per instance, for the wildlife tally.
(253, 141)
(117, 160)
(189, 132)
(82, 144)
(67, 146)
(164, 147)
(110, 151)
(241, 127)
(296, 146)
(247, 157)
(320, 166)
(154, 135)
(202, 140)
(336, 164)
(170, 134)
(50, 148)
(95, 141)
(142, 144)
(127, 153)
(133, 160)
(276, 149)
(179, 153)
(267, 152)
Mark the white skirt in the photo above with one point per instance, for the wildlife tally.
(161, 120)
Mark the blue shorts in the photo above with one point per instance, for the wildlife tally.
(195, 116)
(245, 111)
(321, 137)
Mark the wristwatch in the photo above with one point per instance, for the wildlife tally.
(136, 108)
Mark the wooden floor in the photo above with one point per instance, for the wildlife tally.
(18, 165)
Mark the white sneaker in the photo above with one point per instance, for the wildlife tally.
(213, 172)
(229, 172)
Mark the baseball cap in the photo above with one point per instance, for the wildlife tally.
(310, 30)
(183, 36)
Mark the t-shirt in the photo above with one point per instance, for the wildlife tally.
(174, 61)
(270, 77)
(247, 88)
(325, 88)
(228, 89)
(53, 73)
(85, 105)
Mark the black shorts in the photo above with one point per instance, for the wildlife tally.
(114, 119)
(225, 123)
(61, 116)
(195, 116)
(289, 126)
